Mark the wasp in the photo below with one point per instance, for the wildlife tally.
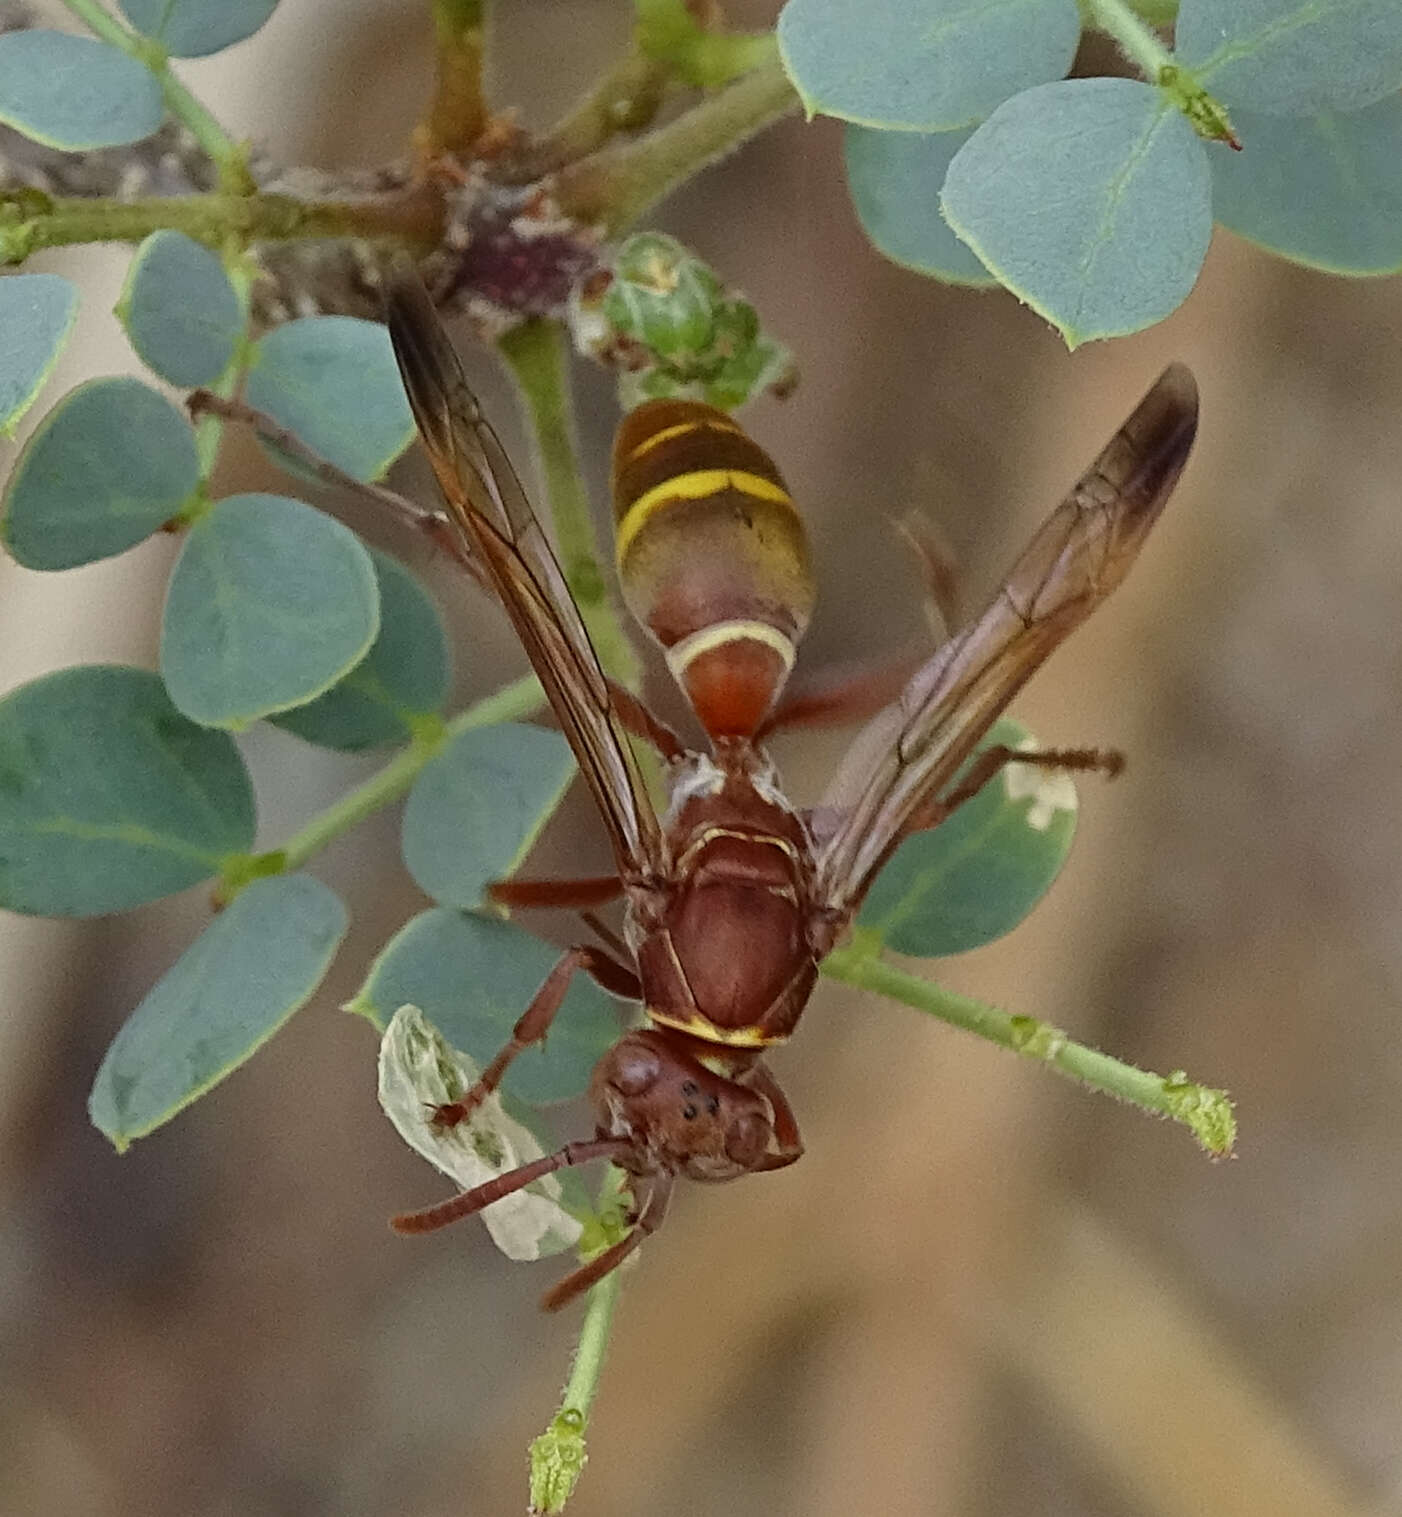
(734, 896)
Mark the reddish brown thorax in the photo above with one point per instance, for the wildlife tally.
(712, 558)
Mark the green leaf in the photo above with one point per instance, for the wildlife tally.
(110, 464)
(180, 311)
(36, 316)
(932, 66)
(402, 680)
(1293, 57)
(977, 875)
(108, 797)
(196, 28)
(1323, 190)
(270, 604)
(473, 977)
(255, 964)
(895, 180)
(475, 811)
(333, 381)
(1090, 200)
(418, 1072)
(75, 92)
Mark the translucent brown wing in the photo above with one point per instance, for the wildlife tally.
(908, 753)
(485, 499)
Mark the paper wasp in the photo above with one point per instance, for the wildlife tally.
(734, 896)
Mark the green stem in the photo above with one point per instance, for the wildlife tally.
(1206, 1112)
(458, 112)
(29, 222)
(518, 699)
(616, 186)
(1135, 39)
(557, 1456)
(536, 353)
(228, 157)
(625, 99)
(209, 429)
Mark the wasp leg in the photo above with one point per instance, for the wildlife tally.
(535, 1023)
(650, 1215)
(526, 894)
(642, 723)
(789, 1142)
(992, 761)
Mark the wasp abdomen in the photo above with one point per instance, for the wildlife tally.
(712, 557)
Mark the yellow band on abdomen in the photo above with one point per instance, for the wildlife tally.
(665, 434)
(694, 486)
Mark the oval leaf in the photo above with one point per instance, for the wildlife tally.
(36, 316)
(931, 67)
(473, 977)
(1293, 57)
(977, 875)
(419, 1071)
(895, 180)
(1323, 190)
(475, 811)
(180, 311)
(1090, 200)
(333, 381)
(110, 464)
(75, 92)
(196, 28)
(402, 680)
(255, 964)
(269, 605)
(109, 797)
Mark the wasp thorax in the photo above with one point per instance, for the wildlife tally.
(712, 557)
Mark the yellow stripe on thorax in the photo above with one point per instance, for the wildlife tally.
(695, 485)
(680, 429)
(702, 1027)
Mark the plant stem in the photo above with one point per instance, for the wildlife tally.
(558, 1454)
(228, 157)
(520, 698)
(458, 111)
(1206, 1112)
(29, 222)
(616, 186)
(625, 99)
(1135, 39)
(209, 429)
(536, 353)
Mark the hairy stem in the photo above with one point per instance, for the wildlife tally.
(29, 222)
(558, 1454)
(458, 111)
(1134, 37)
(616, 186)
(1206, 1112)
(538, 358)
(625, 99)
(228, 157)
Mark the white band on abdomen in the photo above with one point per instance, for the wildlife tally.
(681, 655)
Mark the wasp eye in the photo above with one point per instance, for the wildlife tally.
(690, 1088)
(713, 1104)
(689, 1112)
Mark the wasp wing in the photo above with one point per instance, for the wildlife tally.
(892, 776)
(486, 500)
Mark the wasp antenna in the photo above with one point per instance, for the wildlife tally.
(467, 1203)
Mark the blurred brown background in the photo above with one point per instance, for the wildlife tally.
(983, 1291)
